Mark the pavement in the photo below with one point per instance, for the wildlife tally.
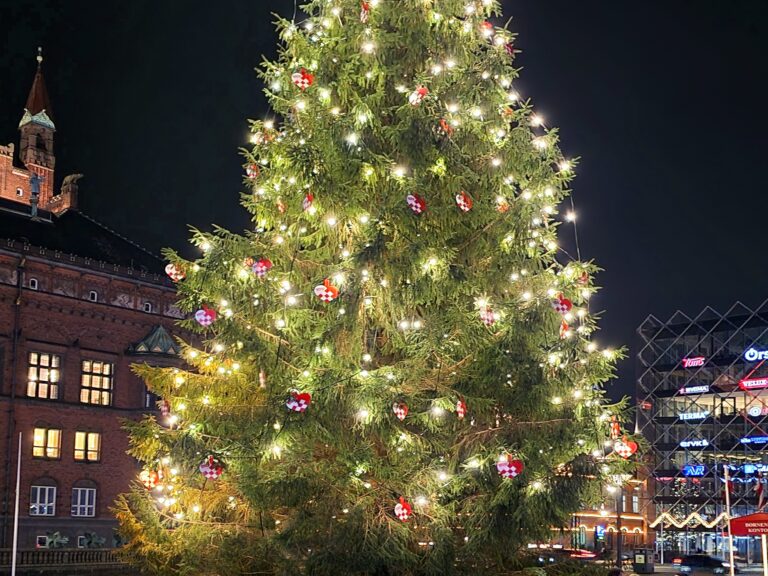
(670, 569)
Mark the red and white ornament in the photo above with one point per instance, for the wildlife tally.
(365, 12)
(262, 379)
(403, 510)
(261, 267)
(445, 128)
(564, 329)
(149, 478)
(280, 205)
(502, 205)
(303, 79)
(417, 96)
(252, 171)
(211, 468)
(175, 273)
(488, 316)
(326, 291)
(487, 29)
(461, 409)
(165, 408)
(416, 203)
(205, 316)
(509, 467)
(562, 305)
(400, 409)
(299, 401)
(615, 428)
(584, 278)
(625, 448)
(306, 204)
(464, 201)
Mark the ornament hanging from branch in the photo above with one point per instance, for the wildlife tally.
(149, 478)
(564, 329)
(299, 401)
(326, 291)
(417, 96)
(502, 205)
(175, 273)
(444, 129)
(403, 510)
(461, 409)
(625, 448)
(488, 316)
(365, 12)
(165, 408)
(562, 305)
(306, 204)
(416, 203)
(211, 468)
(615, 428)
(261, 267)
(400, 409)
(280, 205)
(509, 467)
(252, 171)
(205, 316)
(464, 201)
(303, 79)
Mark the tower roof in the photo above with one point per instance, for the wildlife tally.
(38, 107)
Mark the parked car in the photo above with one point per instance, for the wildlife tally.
(704, 565)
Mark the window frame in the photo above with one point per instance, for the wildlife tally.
(46, 446)
(37, 490)
(33, 284)
(77, 504)
(36, 367)
(93, 295)
(86, 451)
(89, 392)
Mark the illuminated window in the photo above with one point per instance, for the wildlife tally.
(47, 443)
(84, 502)
(87, 446)
(96, 382)
(43, 375)
(42, 501)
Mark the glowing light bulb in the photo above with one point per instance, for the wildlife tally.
(368, 47)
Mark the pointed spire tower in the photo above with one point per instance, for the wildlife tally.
(37, 130)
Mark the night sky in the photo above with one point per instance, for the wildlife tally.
(664, 101)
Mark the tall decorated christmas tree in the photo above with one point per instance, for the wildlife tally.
(394, 373)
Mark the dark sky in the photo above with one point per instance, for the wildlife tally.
(664, 101)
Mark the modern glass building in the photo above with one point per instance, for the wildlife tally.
(702, 404)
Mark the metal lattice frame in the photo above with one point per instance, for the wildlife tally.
(722, 339)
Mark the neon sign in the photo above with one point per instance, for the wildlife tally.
(757, 411)
(693, 415)
(695, 389)
(698, 443)
(754, 440)
(753, 383)
(694, 470)
(752, 355)
(694, 362)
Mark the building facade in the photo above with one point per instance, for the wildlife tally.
(79, 304)
(702, 404)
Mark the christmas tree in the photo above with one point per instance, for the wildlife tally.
(394, 373)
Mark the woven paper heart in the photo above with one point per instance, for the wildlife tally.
(326, 291)
(205, 316)
(149, 478)
(165, 408)
(400, 409)
(365, 10)
(488, 317)
(562, 305)
(403, 510)
(299, 402)
(211, 468)
(175, 273)
(508, 467)
(417, 96)
(252, 171)
(625, 448)
(464, 201)
(303, 79)
(416, 203)
(461, 409)
(306, 204)
(261, 267)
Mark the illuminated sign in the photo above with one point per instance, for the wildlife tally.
(694, 470)
(753, 383)
(754, 440)
(696, 443)
(693, 415)
(753, 355)
(600, 531)
(757, 411)
(694, 362)
(695, 389)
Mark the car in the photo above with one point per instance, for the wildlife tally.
(552, 555)
(703, 564)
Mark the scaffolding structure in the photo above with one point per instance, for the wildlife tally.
(702, 404)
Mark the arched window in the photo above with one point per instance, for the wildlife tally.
(84, 499)
(42, 497)
(93, 296)
(32, 283)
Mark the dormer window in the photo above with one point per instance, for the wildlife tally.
(32, 283)
(93, 296)
(19, 192)
(148, 307)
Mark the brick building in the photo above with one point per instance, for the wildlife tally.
(79, 304)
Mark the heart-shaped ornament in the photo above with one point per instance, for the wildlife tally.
(461, 409)
(400, 409)
(261, 267)
(509, 467)
(326, 291)
(464, 201)
(205, 316)
(416, 203)
(299, 401)
(562, 305)
(403, 510)
(625, 448)
(175, 273)
(211, 468)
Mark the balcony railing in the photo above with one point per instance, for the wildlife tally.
(43, 557)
